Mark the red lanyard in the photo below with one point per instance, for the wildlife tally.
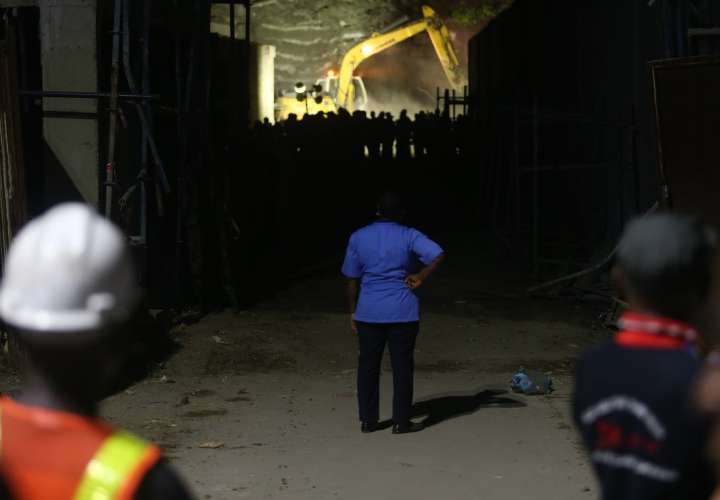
(645, 331)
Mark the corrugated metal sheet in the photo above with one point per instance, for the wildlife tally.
(559, 88)
(688, 119)
(556, 83)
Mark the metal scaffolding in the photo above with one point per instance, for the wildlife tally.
(12, 191)
(153, 118)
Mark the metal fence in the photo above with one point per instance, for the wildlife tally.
(562, 93)
(12, 199)
(12, 186)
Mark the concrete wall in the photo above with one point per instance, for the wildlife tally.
(310, 35)
(69, 63)
(220, 20)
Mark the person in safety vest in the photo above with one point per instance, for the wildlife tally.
(67, 295)
(633, 394)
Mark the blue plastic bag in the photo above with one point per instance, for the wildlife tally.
(531, 382)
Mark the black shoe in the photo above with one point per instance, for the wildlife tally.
(407, 427)
(368, 427)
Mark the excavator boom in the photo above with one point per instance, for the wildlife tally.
(439, 35)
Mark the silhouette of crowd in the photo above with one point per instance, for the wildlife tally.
(316, 178)
(361, 135)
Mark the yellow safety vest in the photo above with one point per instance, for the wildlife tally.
(109, 469)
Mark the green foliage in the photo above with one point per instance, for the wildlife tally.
(475, 14)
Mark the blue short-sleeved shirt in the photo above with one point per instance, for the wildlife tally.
(382, 255)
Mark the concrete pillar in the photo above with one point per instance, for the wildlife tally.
(262, 83)
(68, 33)
(69, 63)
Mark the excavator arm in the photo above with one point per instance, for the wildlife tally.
(439, 35)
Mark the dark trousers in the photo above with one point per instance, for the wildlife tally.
(400, 338)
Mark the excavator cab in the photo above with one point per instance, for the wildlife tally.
(350, 90)
(329, 85)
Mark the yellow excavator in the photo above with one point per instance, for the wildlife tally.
(345, 90)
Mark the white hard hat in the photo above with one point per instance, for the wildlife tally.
(68, 271)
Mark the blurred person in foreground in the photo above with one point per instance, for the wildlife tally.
(67, 295)
(632, 401)
(707, 390)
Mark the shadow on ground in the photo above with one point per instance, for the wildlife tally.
(443, 407)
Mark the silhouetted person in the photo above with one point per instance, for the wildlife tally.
(404, 135)
(360, 132)
(347, 142)
(384, 308)
(632, 393)
(420, 137)
(335, 135)
(292, 135)
(374, 136)
(388, 137)
(449, 137)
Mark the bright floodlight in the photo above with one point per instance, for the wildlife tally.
(366, 50)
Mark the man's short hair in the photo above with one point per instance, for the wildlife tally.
(391, 206)
(666, 259)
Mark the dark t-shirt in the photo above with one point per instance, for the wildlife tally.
(162, 482)
(632, 408)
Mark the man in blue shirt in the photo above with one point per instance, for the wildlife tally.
(384, 308)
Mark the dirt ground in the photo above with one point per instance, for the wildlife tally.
(261, 404)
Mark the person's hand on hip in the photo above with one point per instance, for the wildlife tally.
(414, 281)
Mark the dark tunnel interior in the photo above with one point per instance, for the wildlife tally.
(245, 178)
